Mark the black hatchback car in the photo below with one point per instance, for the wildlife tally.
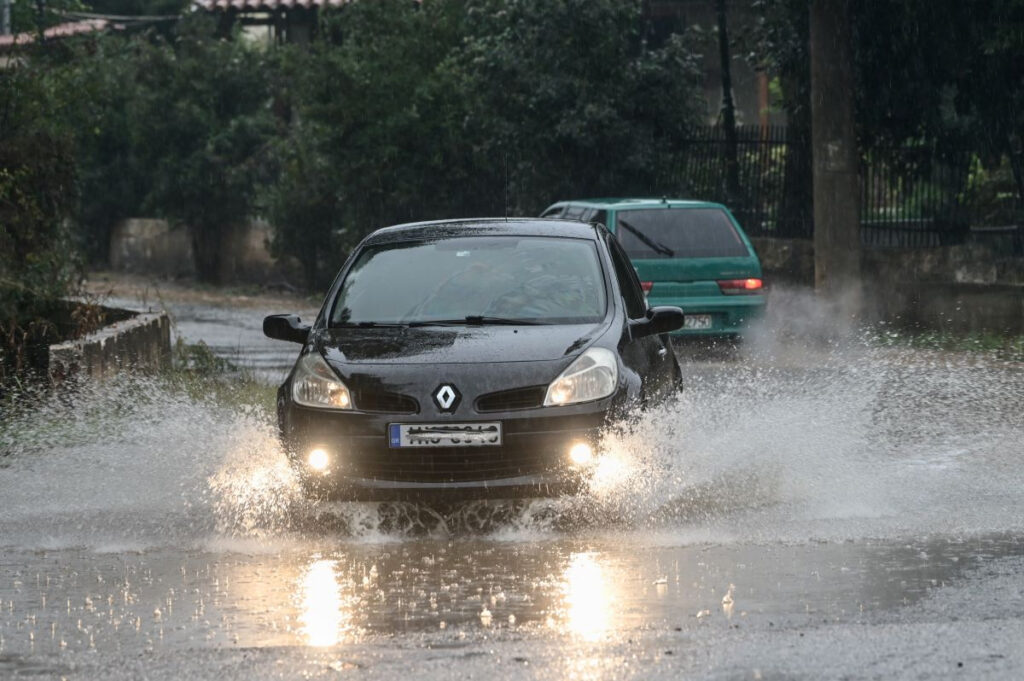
(469, 359)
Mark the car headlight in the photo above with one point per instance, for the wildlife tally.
(316, 385)
(592, 376)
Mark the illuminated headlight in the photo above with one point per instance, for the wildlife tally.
(592, 376)
(316, 385)
(319, 460)
(581, 454)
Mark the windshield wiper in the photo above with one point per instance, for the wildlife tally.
(365, 325)
(477, 320)
(505, 321)
(648, 241)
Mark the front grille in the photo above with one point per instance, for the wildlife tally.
(385, 402)
(449, 464)
(511, 400)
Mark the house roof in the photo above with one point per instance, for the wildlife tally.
(64, 30)
(265, 5)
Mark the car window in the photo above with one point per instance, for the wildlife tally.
(574, 213)
(600, 217)
(678, 233)
(629, 283)
(553, 212)
(552, 280)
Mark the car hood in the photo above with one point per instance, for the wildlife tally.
(457, 344)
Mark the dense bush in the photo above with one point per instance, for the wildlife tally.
(467, 108)
(401, 111)
(37, 173)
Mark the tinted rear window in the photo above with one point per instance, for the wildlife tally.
(679, 233)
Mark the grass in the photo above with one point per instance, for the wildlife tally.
(36, 413)
(204, 376)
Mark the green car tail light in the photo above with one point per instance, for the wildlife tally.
(741, 287)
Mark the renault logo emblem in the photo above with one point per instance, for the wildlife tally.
(446, 397)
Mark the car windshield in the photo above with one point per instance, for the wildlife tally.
(479, 279)
(679, 233)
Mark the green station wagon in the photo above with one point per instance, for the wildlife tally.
(690, 254)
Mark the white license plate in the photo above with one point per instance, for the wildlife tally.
(697, 321)
(444, 434)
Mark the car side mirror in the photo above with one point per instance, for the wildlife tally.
(660, 319)
(286, 327)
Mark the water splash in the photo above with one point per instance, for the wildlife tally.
(843, 441)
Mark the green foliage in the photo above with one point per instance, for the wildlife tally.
(926, 69)
(137, 7)
(304, 204)
(31, 16)
(567, 94)
(401, 111)
(38, 264)
(196, 371)
(101, 101)
(462, 108)
(205, 117)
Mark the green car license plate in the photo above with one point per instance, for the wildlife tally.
(697, 321)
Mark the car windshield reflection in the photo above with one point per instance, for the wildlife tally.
(474, 281)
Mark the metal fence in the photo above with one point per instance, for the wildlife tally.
(915, 196)
(761, 159)
(912, 196)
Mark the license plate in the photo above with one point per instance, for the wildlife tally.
(697, 321)
(444, 434)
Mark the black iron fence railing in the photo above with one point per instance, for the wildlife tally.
(912, 196)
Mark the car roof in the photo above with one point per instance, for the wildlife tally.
(632, 203)
(416, 231)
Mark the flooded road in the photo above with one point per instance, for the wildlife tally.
(799, 512)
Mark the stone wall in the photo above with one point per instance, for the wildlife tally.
(151, 246)
(141, 341)
(969, 288)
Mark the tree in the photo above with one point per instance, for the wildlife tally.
(97, 99)
(567, 96)
(836, 159)
(203, 125)
(38, 264)
(728, 110)
(304, 205)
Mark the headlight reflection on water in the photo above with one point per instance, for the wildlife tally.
(324, 616)
(588, 597)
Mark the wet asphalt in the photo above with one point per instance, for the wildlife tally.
(798, 513)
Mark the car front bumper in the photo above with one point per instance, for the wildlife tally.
(532, 460)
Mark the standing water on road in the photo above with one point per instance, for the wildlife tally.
(841, 510)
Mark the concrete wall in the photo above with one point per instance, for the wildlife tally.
(142, 341)
(970, 288)
(247, 256)
(151, 246)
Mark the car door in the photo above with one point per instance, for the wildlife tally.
(649, 356)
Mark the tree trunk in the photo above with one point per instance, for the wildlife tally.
(796, 210)
(728, 112)
(207, 253)
(836, 160)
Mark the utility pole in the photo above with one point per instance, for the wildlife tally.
(836, 160)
